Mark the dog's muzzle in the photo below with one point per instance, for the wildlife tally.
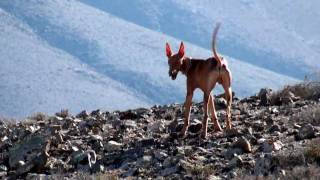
(173, 74)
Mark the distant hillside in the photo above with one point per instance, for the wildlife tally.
(37, 77)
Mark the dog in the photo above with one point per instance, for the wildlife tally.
(203, 74)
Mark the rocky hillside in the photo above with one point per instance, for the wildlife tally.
(276, 134)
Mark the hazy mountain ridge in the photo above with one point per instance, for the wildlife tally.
(274, 35)
(131, 56)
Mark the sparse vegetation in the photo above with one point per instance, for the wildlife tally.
(63, 113)
(312, 152)
(311, 172)
(308, 90)
(200, 171)
(39, 116)
(309, 115)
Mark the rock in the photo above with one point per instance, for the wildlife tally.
(232, 152)
(236, 112)
(160, 155)
(288, 97)
(277, 145)
(212, 177)
(274, 128)
(258, 125)
(113, 146)
(146, 160)
(306, 132)
(98, 168)
(261, 140)
(129, 115)
(220, 103)
(3, 168)
(265, 97)
(88, 157)
(195, 128)
(156, 127)
(29, 148)
(130, 124)
(96, 113)
(262, 165)
(34, 176)
(267, 147)
(146, 142)
(83, 115)
(168, 171)
(243, 144)
(235, 162)
(232, 133)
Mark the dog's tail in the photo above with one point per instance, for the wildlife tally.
(214, 37)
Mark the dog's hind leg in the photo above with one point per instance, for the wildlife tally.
(214, 118)
(228, 96)
(205, 114)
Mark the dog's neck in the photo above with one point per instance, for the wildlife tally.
(186, 64)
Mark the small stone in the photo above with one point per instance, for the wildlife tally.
(306, 132)
(213, 177)
(261, 140)
(296, 126)
(147, 159)
(113, 146)
(243, 144)
(232, 133)
(270, 146)
(277, 145)
(267, 147)
(156, 127)
(274, 128)
(195, 128)
(160, 155)
(235, 162)
(265, 97)
(83, 115)
(32, 176)
(3, 168)
(221, 102)
(169, 170)
(97, 168)
(236, 112)
(130, 124)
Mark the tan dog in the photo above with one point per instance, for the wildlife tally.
(203, 74)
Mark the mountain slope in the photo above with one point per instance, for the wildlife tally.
(36, 77)
(117, 51)
(253, 31)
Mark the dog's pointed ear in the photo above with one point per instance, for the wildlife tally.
(168, 50)
(181, 50)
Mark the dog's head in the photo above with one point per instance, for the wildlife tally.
(174, 60)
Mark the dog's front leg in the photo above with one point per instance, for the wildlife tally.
(187, 106)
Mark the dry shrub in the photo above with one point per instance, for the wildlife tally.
(85, 176)
(303, 172)
(63, 113)
(312, 152)
(306, 90)
(39, 116)
(310, 115)
(311, 172)
(200, 171)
